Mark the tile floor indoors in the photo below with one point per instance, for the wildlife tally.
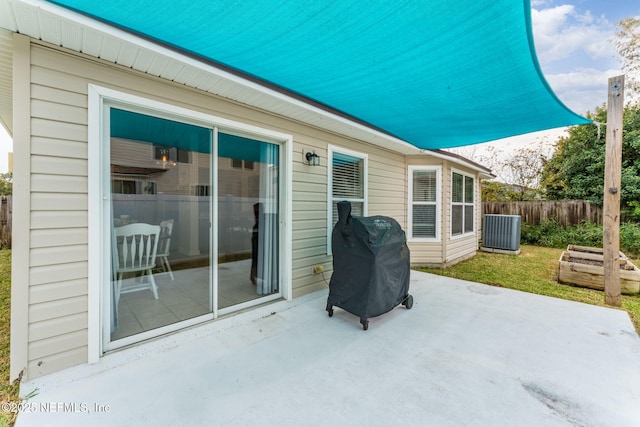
(185, 297)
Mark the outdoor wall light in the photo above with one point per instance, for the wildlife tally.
(165, 157)
(312, 158)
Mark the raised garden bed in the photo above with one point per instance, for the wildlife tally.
(584, 266)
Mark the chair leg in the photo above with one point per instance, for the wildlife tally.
(118, 289)
(154, 288)
(167, 267)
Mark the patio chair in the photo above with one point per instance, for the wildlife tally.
(136, 248)
(166, 228)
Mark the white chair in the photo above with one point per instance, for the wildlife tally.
(166, 228)
(136, 249)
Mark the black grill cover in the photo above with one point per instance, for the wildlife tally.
(371, 264)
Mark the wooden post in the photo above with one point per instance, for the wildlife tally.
(612, 178)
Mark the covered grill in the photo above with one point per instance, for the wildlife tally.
(371, 265)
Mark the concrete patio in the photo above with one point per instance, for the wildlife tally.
(465, 355)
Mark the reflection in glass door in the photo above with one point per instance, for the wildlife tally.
(248, 219)
(160, 222)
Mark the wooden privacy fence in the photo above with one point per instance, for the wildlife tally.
(566, 212)
(5, 222)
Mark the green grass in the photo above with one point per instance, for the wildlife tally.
(535, 271)
(8, 391)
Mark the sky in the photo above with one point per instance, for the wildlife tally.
(573, 40)
(573, 46)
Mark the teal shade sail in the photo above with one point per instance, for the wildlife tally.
(435, 73)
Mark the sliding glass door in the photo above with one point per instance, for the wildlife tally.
(193, 223)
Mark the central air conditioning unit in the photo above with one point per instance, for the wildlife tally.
(501, 232)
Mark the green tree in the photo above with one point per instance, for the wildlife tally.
(576, 169)
(6, 183)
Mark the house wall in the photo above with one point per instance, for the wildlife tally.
(52, 265)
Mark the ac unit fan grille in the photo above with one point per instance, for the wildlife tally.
(501, 232)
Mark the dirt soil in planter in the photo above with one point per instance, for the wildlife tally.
(591, 262)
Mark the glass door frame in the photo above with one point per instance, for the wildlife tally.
(99, 276)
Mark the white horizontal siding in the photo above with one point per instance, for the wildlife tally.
(58, 111)
(57, 130)
(58, 273)
(462, 247)
(57, 308)
(58, 166)
(55, 327)
(40, 257)
(58, 361)
(58, 219)
(59, 148)
(423, 253)
(46, 183)
(58, 202)
(57, 291)
(48, 346)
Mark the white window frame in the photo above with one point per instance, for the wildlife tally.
(98, 211)
(438, 203)
(463, 204)
(331, 149)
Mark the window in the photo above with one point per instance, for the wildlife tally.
(424, 203)
(347, 181)
(242, 164)
(462, 189)
(202, 190)
(171, 155)
(132, 186)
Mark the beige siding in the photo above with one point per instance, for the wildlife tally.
(58, 219)
(54, 362)
(56, 147)
(61, 326)
(54, 291)
(387, 185)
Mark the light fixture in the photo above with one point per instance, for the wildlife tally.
(164, 157)
(312, 158)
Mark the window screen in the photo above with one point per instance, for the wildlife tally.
(423, 204)
(347, 178)
(462, 205)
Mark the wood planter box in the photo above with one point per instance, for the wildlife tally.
(583, 266)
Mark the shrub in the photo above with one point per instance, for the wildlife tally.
(630, 239)
(553, 235)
